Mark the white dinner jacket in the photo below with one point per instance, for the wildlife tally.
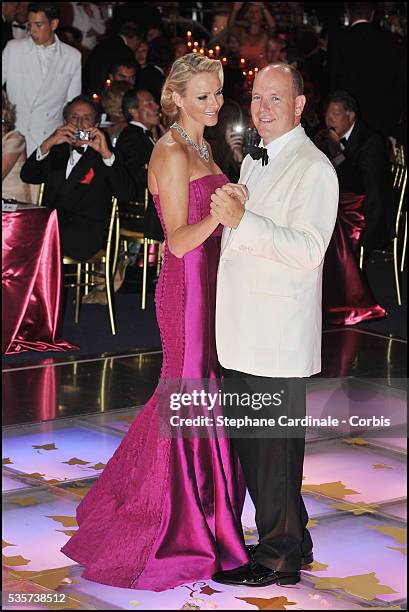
(269, 285)
(39, 103)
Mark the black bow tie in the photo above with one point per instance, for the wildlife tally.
(19, 26)
(80, 150)
(259, 153)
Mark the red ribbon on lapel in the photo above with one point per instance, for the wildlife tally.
(88, 178)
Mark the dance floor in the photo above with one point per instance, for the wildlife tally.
(64, 419)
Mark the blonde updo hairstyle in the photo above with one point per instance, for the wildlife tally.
(182, 70)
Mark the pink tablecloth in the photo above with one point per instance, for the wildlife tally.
(31, 280)
(347, 297)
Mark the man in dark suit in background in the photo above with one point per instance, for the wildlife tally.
(360, 158)
(80, 177)
(365, 61)
(119, 48)
(8, 11)
(135, 143)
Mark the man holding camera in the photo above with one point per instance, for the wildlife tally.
(81, 174)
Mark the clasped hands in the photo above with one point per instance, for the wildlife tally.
(227, 204)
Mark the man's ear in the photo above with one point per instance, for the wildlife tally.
(351, 116)
(299, 105)
(54, 24)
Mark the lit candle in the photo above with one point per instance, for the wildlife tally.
(242, 61)
(189, 43)
(256, 69)
(108, 83)
(195, 44)
(217, 50)
(194, 50)
(211, 52)
(95, 97)
(224, 60)
(201, 51)
(189, 34)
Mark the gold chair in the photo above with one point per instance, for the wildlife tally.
(399, 181)
(401, 226)
(40, 194)
(139, 237)
(107, 257)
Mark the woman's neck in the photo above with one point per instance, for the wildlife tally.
(192, 128)
(255, 29)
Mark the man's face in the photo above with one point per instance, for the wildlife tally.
(338, 118)
(22, 12)
(81, 115)
(148, 110)
(275, 109)
(125, 73)
(8, 10)
(40, 29)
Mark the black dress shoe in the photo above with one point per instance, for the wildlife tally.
(306, 558)
(255, 575)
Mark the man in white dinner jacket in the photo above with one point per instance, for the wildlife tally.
(41, 74)
(268, 313)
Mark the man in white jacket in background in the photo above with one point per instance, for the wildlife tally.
(41, 75)
(268, 313)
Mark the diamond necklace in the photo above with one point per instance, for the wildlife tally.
(203, 151)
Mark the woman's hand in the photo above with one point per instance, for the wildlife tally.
(236, 190)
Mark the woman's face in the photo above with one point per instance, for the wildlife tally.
(142, 53)
(203, 98)
(234, 44)
(254, 15)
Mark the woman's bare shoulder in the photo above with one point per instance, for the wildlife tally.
(167, 149)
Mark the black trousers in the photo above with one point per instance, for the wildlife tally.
(273, 469)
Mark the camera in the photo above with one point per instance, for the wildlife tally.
(82, 135)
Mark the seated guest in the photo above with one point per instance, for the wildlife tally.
(13, 147)
(152, 77)
(80, 177)
(361, 161)
(135, 143)
(111, 102)
(124, 71)
(120, 48)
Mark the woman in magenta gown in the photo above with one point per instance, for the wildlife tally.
(166, 511)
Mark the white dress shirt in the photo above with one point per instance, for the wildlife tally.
(347, 135)
(145, 129)
(273, 149)
(74, 159)
(45, 56)
(19, 30)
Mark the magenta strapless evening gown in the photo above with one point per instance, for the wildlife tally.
(167, 511)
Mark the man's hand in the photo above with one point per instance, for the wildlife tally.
(97, 142)
(65, 133)
(227, 205)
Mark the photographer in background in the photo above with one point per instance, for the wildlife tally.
(360, 158)
(81, 174)
(226, 140)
